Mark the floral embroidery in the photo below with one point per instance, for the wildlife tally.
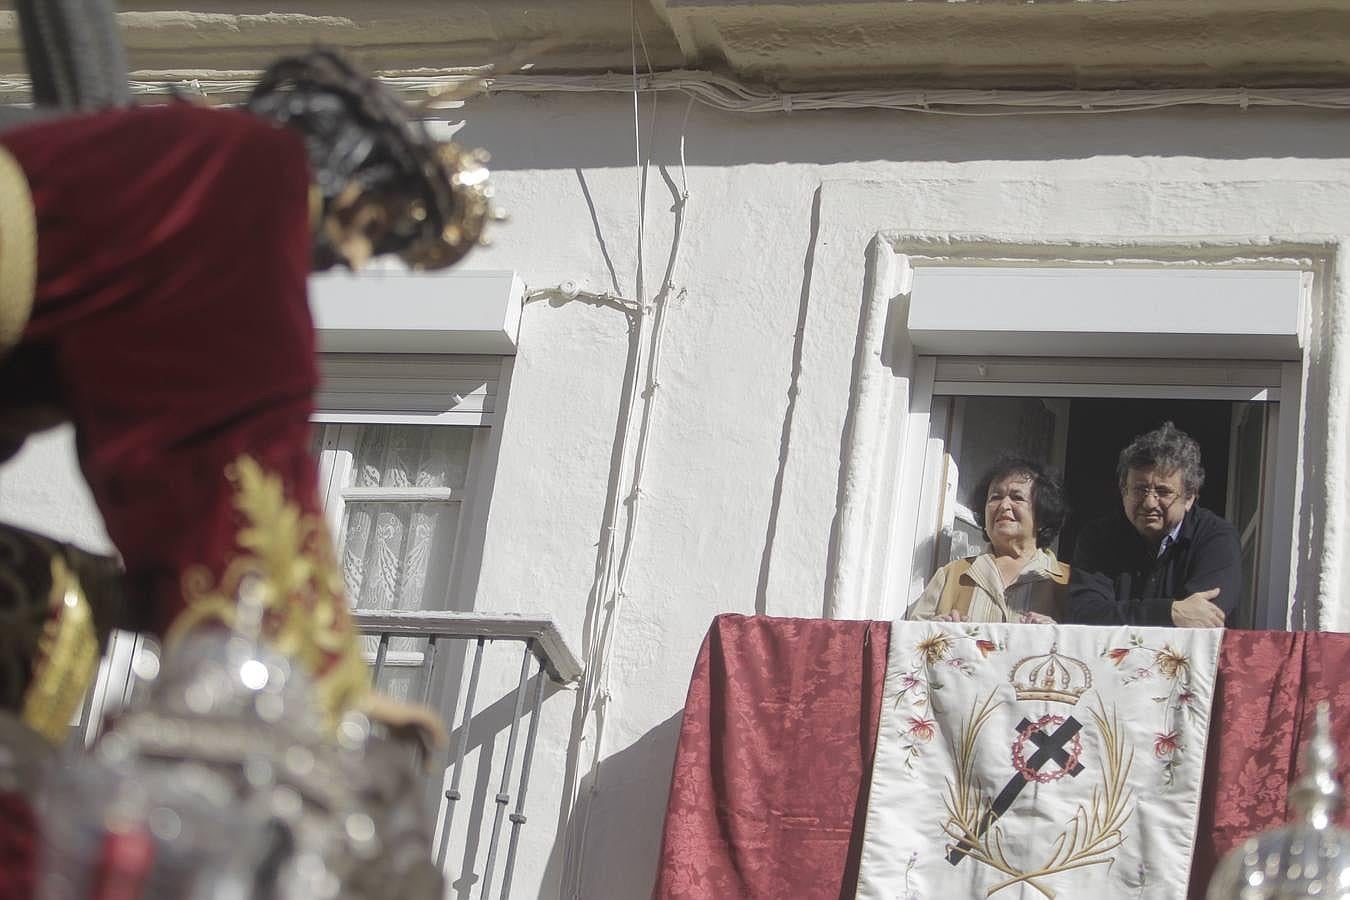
(1174, 667)
(910, 894)
(1164, 745)
(934, 654)
(934, 648)
(922, 728)
(1171, 663)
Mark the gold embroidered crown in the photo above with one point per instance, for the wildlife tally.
(1051, 676)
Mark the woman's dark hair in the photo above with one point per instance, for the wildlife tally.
(357, 131)
(1048, 503)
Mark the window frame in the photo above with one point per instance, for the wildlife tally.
(336, 452)
(886, 441)
(445, 390)
(1136, 379)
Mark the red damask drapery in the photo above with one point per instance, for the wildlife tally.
(772, 767)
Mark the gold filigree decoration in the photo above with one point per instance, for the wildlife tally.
(285, 559)
(67, 658)
(1092, 834)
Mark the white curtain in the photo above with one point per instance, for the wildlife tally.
(396, 553)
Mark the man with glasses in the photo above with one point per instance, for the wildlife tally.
(1166, 561)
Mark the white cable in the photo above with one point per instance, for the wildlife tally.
(611, 593)
(731, 95)
(570, 290)
(728, 94)
(684, 171)
(594, 694)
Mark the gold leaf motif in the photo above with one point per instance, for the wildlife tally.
(288, 557)
(68, 655)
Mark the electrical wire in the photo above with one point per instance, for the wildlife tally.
(611, 587)
(731, 95)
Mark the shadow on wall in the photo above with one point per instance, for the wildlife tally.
(785, 435)
(463, 836)
(615, 827)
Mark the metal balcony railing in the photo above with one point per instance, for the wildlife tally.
(444, 660)
(446, 651)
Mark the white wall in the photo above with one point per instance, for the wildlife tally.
(743, 478)
(739, 508)
(41, 489)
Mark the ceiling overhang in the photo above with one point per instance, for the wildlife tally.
(1030, 44)
(789, 44)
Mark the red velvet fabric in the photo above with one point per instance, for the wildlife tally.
(773, 761)
(170, 322)
(171, 325)
(18, 850)
(774, 757)
(1270, 683)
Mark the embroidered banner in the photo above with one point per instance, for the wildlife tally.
(1033, 761)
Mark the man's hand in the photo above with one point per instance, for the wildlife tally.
(1035, 618)
(1197, 611)
(953, 616)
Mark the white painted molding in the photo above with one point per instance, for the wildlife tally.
(1108, 311)
(454, 311)
(877, 428)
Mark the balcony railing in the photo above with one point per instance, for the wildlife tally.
(445, 660)
(446, 652)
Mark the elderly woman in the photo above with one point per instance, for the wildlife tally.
(1017, 578)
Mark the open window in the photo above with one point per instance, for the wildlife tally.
(1079, 421)
(1065, 352)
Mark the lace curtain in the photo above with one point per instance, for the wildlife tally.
(399, 527)
(396, 553)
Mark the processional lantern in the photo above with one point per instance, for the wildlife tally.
(1307, 858)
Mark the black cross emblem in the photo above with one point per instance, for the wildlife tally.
(1049, 747)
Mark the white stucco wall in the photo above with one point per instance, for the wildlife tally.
(739, 509)
(742, 483)
(41, 489)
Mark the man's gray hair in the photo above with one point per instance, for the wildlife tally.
(1168, 449)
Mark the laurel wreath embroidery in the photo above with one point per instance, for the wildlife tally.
(1094, 831)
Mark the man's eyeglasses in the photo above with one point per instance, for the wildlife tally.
(1166, 496)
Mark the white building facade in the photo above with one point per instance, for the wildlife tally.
(744, 361)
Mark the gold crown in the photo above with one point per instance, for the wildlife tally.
(1051, 676)
(468, 213)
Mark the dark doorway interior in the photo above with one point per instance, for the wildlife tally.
(1099, 429)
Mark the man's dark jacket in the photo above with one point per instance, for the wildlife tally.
(1117, 577)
